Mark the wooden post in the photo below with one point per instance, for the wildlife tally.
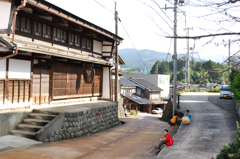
(52, 85)
(136, 108)
(6, 83)
(31, 89)
(150, 107)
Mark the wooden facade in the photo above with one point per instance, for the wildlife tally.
(48, 83)
(59, 56)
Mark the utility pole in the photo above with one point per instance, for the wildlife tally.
(116, 55)
(156, 67)
(188, 60)
(175, 59)
(229, 52)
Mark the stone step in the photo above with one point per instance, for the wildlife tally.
(44, 112)
(32, 121)
(28, 127)
(41, 116)
(22, 133)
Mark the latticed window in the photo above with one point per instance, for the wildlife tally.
(23, 24)
(74, 40)
(46, 31)
(86, 43)
(59, 35)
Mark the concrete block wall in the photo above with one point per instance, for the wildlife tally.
(84, 123)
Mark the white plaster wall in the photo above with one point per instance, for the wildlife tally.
(107, 43)
(106, 86)
(19, 69)
(107, 48)
(5, 8)
(164, 83)
(3, 68)
(97, 46)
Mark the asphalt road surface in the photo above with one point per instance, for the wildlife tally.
(208, 130)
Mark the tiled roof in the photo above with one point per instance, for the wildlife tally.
(125, 82)
(145, 84)
(137, 99)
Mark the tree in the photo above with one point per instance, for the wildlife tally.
(235, 86)
(163, 69)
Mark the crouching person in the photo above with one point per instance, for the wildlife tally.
(168, 140)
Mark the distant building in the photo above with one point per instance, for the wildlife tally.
(159, 80)
(139, 94)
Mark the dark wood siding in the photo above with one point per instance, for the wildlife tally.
(40, 86)
(69, 82)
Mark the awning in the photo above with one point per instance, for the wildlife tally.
(28, 46)
(137, 99)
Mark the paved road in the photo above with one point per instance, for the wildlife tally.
(225, 104)
(209, 128)
(135, 139)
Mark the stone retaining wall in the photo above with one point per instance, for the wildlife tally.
(83, 123)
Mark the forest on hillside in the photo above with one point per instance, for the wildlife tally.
(198, 70)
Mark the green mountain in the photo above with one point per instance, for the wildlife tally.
(132, 59)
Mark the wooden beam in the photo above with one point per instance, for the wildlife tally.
(59, 20)
(42, 14)
(75, 27)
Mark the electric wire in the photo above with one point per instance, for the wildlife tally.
(104, 7)
(132, 42)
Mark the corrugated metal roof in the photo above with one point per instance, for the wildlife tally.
(137, 99)
(145, 84)
(125, 82)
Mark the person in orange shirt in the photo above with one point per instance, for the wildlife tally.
(173, 121)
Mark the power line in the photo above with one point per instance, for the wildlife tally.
(132, 43)
(104, 6)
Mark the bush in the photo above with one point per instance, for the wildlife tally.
(214, 90)
(231, 151)
(235, 86)
(133, 113)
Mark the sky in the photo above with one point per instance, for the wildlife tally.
(148, 24)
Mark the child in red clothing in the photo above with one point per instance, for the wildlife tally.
(168, 140)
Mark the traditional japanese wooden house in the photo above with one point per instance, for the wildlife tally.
(49, 56)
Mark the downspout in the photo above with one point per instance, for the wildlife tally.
(14, 25)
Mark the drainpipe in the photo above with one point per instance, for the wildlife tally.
(14, 25)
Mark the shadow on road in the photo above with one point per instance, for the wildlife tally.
(225, 104)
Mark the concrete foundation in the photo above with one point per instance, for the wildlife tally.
(9, 120)
(79, 120)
